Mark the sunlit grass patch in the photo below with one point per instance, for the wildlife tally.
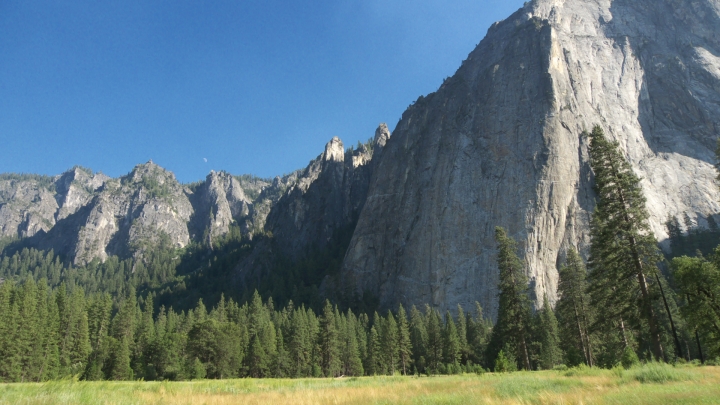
(652, 384)
(659, 373)
(526, 385)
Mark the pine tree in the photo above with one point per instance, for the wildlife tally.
(404, 341)
(451, 347)
(435, 341)
(478, 330)
(262, 338)
(329, 342)
(361, 332)
(51, 327)
(281, 362)
(513, 323)
(99, 309)
(78, 338)
(30, 345)
(374, 361)
(389, 341)
(550, 353)
(144, 337)
(573, 311)
(624, 253)
(300, 344)
(350, 353)
(418, 339)
(462, 336)
(123, 330)
(698, 280)
(11, 346)
(121, 370)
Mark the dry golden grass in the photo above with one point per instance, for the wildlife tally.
(691, 385)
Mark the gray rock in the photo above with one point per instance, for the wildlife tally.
(75, 188)
(222, 202)
(27, 205)
(85, 216)
(128, 216)
(327, 195)
(499, 145)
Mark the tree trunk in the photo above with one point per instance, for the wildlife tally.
(622, 328)
(587, 334)
(697, 339)
(678, 348)
(525, 353)
(582, 335)
(654, 333)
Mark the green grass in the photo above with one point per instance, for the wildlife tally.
(649, 384)
(660, 373)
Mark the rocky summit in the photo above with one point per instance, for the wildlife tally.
(500, 144)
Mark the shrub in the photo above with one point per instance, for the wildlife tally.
(583, 370)
(503, 364)
(658, 373)
(629, 358)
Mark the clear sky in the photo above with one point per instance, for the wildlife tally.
(246, 86)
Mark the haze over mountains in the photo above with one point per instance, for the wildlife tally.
(499, 144)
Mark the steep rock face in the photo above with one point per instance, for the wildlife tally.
(85, 216)
(326, 196)
(126, 216)
(499, 145)
(32, 204)
(75, 188)
(27, 205)
(223, 201)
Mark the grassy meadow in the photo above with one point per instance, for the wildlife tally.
(649, 384)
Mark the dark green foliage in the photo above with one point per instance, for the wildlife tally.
(478, 333)
(513, 326)
(550, 354)
(452, 349)
(694, 239)
(389, 340)
(435, 341)
(418, 339)
(574, 312)
(624, 252)
(329, 342)
(404, 341)
(374, 362)
(698, 282)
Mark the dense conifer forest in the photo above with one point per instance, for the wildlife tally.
(176, 314)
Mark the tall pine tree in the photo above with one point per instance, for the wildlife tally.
(513, 325)
(624, 252)
(574, 312)
(404, 341)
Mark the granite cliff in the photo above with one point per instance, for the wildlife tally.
(85, 216)
(499, 144)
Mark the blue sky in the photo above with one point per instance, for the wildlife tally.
(252, 86)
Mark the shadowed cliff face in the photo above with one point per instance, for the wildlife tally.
(499, 145)
(328, 195)
(326, 198)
